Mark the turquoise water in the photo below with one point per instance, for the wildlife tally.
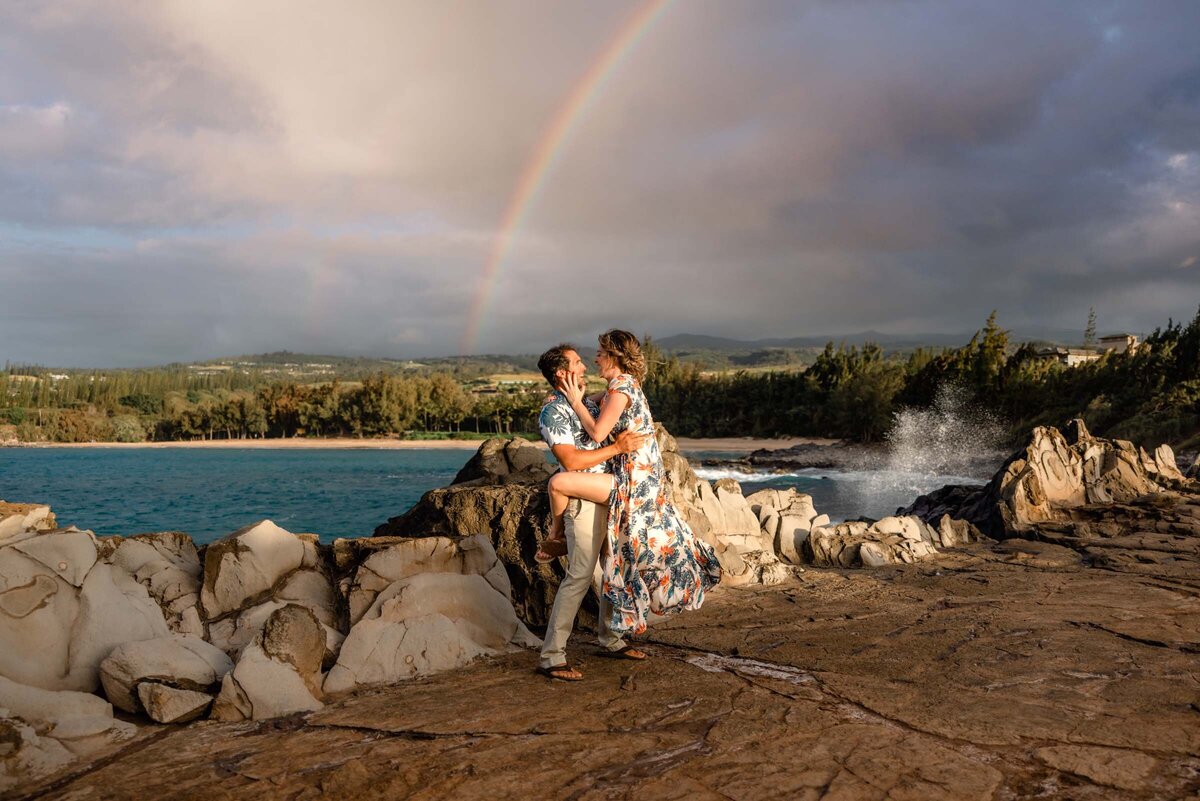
(333, 493)
(210, 493)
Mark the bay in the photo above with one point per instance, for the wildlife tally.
(330, 492)
(211, 493)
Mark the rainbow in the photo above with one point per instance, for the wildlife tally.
(549, 147)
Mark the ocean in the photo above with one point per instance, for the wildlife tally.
(330, 492)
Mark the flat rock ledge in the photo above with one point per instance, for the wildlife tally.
(990, 674)
(1057, 660)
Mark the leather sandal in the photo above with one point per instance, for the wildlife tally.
(555, 672)
(624, 653)
(550, 549)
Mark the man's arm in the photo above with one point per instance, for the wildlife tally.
(572, 458)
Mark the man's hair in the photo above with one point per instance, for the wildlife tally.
(554, 360)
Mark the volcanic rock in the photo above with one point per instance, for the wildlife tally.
(179, 661)
(785, 518)
(166, 704)
(500, 461)
(167, 565)
(1050, 476)
(892, 540)
(42, 730)
(514, 517)
(19, 518)
(62, 611)
(258, 570)
(447, 605)
(277, 674)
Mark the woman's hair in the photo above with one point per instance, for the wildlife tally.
(625, 349)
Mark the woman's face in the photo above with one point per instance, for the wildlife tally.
(606, 363)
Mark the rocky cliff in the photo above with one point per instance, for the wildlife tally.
(1033, 637)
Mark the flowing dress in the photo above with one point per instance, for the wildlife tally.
(653, 562)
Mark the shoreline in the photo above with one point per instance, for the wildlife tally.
(716, 444)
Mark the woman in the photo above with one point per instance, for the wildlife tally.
(652, 562)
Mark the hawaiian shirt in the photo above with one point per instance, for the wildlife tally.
(560, 426)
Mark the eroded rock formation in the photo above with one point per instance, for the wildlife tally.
(426, 605)
(845, 673)
(257, 570)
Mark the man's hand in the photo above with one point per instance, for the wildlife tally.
(629, 441)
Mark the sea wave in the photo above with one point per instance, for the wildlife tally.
(715, 473)
(874, 477)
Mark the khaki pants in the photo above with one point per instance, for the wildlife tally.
(586, 526)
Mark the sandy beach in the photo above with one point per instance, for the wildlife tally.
(722, 444)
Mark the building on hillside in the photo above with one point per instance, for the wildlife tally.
(1119, 343)
(1069, 356)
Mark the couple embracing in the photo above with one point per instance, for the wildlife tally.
(645, 559)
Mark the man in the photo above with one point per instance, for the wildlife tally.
(575, 450)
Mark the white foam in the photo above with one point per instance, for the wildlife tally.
(715, 473)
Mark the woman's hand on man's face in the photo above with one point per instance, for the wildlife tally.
(572, 386)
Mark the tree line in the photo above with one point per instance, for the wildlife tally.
(1151, 395)
(379, 405)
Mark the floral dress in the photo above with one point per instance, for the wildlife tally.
(653, 562)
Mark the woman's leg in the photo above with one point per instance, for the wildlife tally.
(595, 487)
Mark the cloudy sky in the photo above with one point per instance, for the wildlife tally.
(184, 180)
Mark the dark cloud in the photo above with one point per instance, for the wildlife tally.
(181, 181)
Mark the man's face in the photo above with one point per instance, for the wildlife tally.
(575, 367)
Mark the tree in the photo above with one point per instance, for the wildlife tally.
(1089, 333)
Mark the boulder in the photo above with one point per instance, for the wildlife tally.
(892, 540)
(382, 561)
(19, 518)
(294, 636)
(951, 532)
(256, 571)
(1163, 466)
(439, 618)
(113, 609)
(515, 519)
(168, 566)
(506, 461)
(182, 662)
(80, 722)
(62, 611)
(1051, 475)
(786, 517)
(277, 674)
(244, 567)
(739, 519)
(166, 704)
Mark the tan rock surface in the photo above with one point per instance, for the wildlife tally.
(17, 518)
(166, 563)
(257, 570)
(62, 611)
(991, 673)
(166, 704)
(181, 661)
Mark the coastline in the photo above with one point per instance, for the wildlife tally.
(719, 444)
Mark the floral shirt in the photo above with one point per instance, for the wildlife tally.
(560, 426)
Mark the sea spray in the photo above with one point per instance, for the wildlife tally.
(954, 435)
(953, 441)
